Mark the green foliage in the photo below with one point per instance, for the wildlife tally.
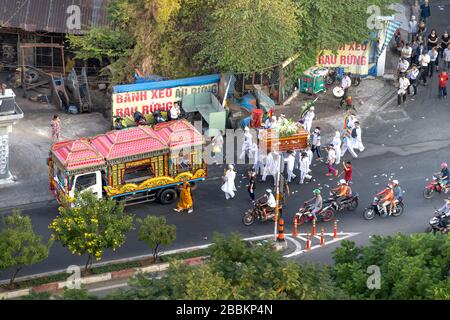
(37, 296)
(155, 231)
(89, 225)
(249, 35)
(236, 270)
(19, 245)
(412, 267)
(76, 294)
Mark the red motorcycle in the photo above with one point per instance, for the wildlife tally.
(305, 215)
(434, 186)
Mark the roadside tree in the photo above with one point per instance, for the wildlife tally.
(155, 232)
(19, 245)
(87, 225)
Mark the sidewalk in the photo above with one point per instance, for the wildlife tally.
(29, 146)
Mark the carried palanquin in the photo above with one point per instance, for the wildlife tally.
(134, 165)
(289, 136)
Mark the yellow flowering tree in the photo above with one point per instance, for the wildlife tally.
(87, 225)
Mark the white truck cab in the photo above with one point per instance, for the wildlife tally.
(87, 182)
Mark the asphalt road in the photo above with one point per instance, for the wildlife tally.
(406, 143)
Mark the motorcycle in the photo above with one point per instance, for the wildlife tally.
(432, 187)
(333, 75)
(439, 223)
(257, 213)
(349, 204)
(305, 215)
(377, 208)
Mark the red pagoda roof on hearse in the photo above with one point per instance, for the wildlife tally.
(117, 144)
(178, 134)
(76, 154)
(128, 142)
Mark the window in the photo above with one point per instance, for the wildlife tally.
(86, 181)
(137, 174)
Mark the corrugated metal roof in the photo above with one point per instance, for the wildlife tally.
(58, 16)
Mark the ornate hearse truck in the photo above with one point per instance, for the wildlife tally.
(132, 166)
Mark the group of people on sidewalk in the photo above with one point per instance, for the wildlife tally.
(422, 55)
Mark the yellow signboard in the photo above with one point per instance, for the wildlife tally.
(353, 58)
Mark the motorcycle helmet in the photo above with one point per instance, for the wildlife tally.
(342, 181)
(316, 191)
(444, 165)
(395, 182)
(269, 190)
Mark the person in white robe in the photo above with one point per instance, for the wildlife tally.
(290, 166)
(229, 187)
(337, 146)
(247, 144)
(304, 167)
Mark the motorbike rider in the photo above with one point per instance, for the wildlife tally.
(444, 175)
(397, 191)
(388, 198)
(269, 205)
(317, 207)
(444, 212)
(343, 191)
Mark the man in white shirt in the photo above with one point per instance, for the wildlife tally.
(434, 61)
(304, 167)
(403, 86)
(424, 60)
(407, 53)
(413, 25)
(175, 111)
(412, 76)
(346, 83)
(290, 166)
(403, 65)
(447, 58)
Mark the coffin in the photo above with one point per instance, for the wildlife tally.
(270, 141)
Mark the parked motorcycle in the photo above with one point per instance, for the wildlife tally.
(349, 204)
(376, 208)
(439, 223)
(257, 213)
(432, 187)
(305, 215)
(333, 76)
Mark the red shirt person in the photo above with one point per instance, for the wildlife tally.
(348, 171)
(443, 82)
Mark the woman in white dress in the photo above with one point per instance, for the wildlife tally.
(229, 187)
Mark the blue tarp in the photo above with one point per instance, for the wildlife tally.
(194, 81)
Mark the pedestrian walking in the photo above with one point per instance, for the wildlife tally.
(331, 160)
(247, 143)
(252, 184)
(447, 58)
(413, 27)
(315, 144)
(346, 83)
(403, 85)
(309, 155)
(415, 9)
(357, 137)
(425, 10)
(443, 82)
(272, 167)
(349, 124)
(445, 41)
(406, 54)
(337, 146)
(308, 119)
(229, 186)
(414, 47)
(56, 128)
(304, 167)
(432, 40)
(290, 166)
(185, 202)
(434, 61)
(422, 29)
(424, 60)
(348, 171)
(412, 76)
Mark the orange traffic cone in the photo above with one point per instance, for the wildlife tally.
(322, 238)
(280, 237)
(308, 242)
(295, 233)
(335, 236)
(314, 228)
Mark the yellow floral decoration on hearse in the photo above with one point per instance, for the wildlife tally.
(154, 182)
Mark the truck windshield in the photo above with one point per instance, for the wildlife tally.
(85, 181)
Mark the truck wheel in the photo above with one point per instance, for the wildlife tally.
(168, 196)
